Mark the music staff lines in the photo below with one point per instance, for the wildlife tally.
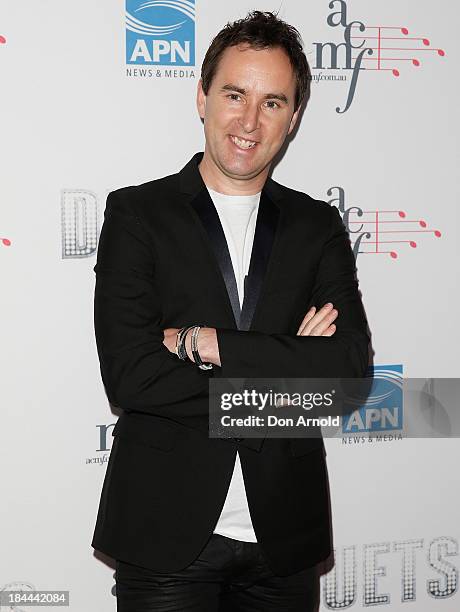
(375, 232)
(384, 53)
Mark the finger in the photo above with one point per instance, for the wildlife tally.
(330, 331)
(306, 318)
(318, 317)
(323, 325)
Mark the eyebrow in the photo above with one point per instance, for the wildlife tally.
(269, 96)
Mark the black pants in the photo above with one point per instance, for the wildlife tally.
(228, 576)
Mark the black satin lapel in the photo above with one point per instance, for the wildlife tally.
(264, 236)
(209, 217)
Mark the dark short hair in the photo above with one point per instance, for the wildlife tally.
(260, 30)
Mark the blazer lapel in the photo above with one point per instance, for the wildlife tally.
(264, 236)
(206, 211)
(267, 226)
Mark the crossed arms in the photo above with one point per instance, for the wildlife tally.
(313, 324)
(139, 371)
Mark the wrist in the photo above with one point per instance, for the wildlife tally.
(207, 345)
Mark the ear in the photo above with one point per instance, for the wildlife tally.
(201, 100)
(293, 120)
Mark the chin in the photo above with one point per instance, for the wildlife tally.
(239, 170)
(242, 173)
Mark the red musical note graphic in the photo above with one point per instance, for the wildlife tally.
(384, 53)
(381, 229)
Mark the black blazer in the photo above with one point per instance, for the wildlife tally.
(162, 262)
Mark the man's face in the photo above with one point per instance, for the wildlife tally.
(249, 110)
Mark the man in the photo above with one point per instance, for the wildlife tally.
(257, 273)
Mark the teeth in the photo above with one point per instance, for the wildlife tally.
(244, 144)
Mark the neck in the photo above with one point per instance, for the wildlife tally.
(216, 180)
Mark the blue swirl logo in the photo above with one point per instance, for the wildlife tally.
(160, 32)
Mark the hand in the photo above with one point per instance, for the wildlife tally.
(170, 338)
(318, 323)
(170, 341)
(315, 324)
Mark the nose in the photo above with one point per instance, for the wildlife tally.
(249, 119)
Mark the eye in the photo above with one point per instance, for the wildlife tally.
(272, 104)
(234, 97)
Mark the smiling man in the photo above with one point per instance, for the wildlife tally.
(220, 271)
(249, 106)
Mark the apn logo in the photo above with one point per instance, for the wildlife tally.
(160, 32)
(382, 410)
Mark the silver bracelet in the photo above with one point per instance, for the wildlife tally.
(181, 348)
(196, 355)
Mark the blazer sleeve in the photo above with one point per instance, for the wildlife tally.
(138, 371)
(344, 354)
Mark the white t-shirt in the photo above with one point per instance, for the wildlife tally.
(238, 215)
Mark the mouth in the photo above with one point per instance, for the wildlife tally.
(242, 143)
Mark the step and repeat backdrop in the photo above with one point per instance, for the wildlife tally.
(100, 95)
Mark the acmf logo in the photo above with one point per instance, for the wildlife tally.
(382, 410)
(160, 32)
(382, 48)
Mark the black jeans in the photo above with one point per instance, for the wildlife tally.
(228, 576)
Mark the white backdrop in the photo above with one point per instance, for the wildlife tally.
(78, 121)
